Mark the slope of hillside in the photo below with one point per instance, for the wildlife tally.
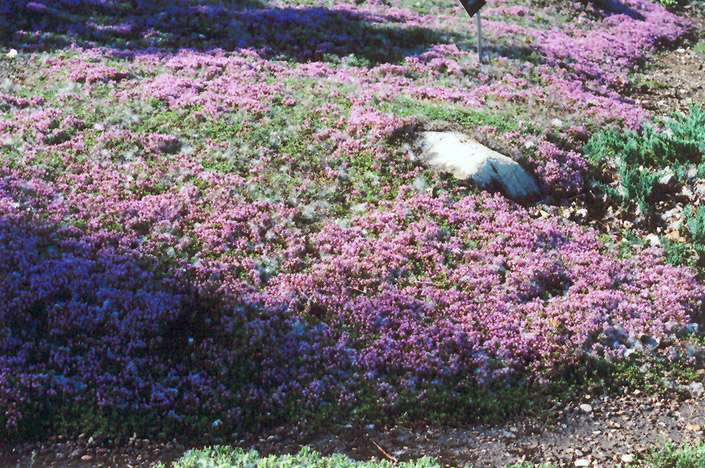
(213, 219)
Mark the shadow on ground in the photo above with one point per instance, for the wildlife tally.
(295, 34)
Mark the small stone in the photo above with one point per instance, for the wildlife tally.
(669, 181)
(654, 240)
(585, 408)
(650, 342)
(35, 7)
(11, 54)
(693, 427)
(582, 462)
(87, 458)
(696, 388)
(691, 173)
(627, 458)
(79, 452)
(687, 192)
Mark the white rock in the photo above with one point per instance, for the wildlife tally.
(627, 458)
(669, 180)
(469, 160)
(686, 192)
(654, 240)
(585, 408)
(691, 173)
(696, 388)
(582, 462)
(11, 54)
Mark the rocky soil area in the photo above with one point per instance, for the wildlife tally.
(599, 431)
(674, 80)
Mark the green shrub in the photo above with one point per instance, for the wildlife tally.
(695, 221)
(681, 139)
(699, 48)
(641, 158)
(227, 457)
(670, 456)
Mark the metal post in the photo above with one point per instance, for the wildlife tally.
(479, 36)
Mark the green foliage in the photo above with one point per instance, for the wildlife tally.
(468, 117)
(228, 457)
(679, 253)
(640, 160)
(695, 221)
(699, 48)
(670, 456)
(681, 139)
(638, 187)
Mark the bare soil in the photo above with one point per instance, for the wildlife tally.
(674, 80)
(603, 430)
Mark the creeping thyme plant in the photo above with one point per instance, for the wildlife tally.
(213, 211)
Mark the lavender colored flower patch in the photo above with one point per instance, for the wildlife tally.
(213, 212)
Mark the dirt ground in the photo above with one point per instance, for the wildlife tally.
(675, 80)
(604, 431)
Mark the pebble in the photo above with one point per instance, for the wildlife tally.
(582, 462)
(585, 408)
(87, 458)
(11, 54)
(654, 240)
(78, 453)
(627, 458)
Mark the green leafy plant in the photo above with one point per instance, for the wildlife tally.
(671, 456)
(676, 144)
(695, 221)
(699, 48)
(226, 457)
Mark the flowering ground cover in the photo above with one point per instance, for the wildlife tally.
(212, 217)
